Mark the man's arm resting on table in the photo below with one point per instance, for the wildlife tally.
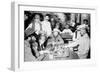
(71, 45)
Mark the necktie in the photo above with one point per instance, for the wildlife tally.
(76, 34)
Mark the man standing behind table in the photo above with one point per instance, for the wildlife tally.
(83, 44)
(35, 25)
(46, 26)
(34, 28)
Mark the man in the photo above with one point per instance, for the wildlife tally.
(83, 44)
(85, 24)
(77, 32)
(42, 41)
(72, 25)
(35, 25)
(46, 26)
(67, 30)
(55, 38)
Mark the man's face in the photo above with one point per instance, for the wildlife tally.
(37, 18)
(57, 26)
(55, 33)
(25, 17)
(67, 26)
(35, 45)
(85, 22)
(42, 39)
(68, 22)
(52, 19)
(82, 31)
(46, 17)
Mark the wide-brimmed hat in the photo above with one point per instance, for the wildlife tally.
(82, 27)
(56, 30)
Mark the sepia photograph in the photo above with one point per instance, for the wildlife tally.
(52, 36)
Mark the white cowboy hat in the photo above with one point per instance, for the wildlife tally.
(56, 30)
(82, 27)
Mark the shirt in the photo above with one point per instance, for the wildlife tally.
(84, 44)
(35, 27)
(67, 31)
(46, 27)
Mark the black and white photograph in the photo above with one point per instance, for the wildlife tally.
(50, 36)
(53, 37)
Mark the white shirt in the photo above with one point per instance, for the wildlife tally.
(84, 44)
(67, 31)
(46, 27)
(37, 27)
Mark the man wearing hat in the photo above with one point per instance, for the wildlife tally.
(83, 43)
(77, 34)
(55, 38)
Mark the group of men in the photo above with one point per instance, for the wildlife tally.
(43, 35)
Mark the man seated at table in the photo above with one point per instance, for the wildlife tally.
(67, 30)
(55, 38)
(42, 41)
(83, 44)
(67, 34)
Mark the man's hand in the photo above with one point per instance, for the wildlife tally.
(29, 38)
(71, 48)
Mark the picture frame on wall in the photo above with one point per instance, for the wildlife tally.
(51, 36)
